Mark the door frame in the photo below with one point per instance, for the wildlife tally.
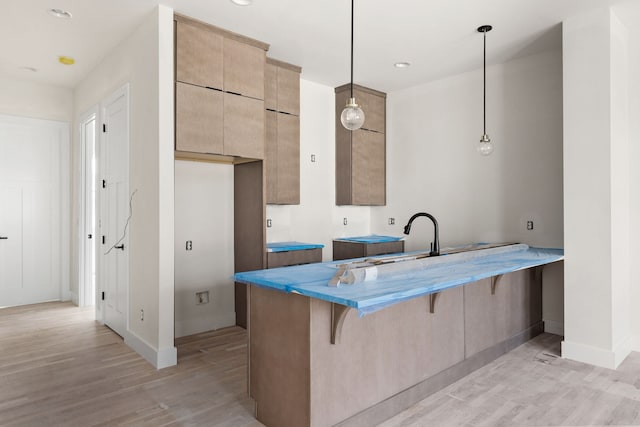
(84, 247)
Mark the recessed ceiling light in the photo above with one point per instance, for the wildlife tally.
(401, 64)
(242, 2)
(32, 69)
(59, 13)
(66, 60)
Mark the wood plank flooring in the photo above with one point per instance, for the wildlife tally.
(58, 367)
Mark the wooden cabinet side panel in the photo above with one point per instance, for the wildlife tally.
(244, 69)
(288, 169)
(198, 56)
(343, 156)
(243, 126)
(288, 91)
(271, 156)
(248, 228)
(374, 108)
(280, 357)
(198, 119)
(368, 181)
(271, 87)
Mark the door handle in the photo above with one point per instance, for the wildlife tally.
(119, 247)
(3, 238)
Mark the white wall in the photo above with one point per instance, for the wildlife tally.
(597, 188)
(145, 61)
(317, 219)
(204, 215)
(36, 100)
(433, 166)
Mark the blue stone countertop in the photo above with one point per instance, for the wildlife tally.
(372, 238)
(291, 246)
(441, 273)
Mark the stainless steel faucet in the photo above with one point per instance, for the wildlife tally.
(435, 246)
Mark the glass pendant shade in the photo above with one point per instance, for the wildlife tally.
(485, 147)
(352, 116)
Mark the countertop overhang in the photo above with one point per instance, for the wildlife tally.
(443, 272)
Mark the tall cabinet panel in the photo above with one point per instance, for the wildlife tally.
(198, 119)
(243, 69)
(361, 154)
(282, 101)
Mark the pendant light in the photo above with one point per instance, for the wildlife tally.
(352, 116)
(485, 147)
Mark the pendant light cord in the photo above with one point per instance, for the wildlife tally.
(352, 48)
(484, 85)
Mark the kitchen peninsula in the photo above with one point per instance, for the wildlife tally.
(356, 355)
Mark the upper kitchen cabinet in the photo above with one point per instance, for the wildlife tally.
(282, 102)
(244, 69)
(198, 55)
(219, 92)
(361, 154)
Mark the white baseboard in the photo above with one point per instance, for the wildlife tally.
(196, 325)
(597, 356)
(554, 327)
(162, 358)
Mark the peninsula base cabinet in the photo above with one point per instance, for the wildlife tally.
(383, 362)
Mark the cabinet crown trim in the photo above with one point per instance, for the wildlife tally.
(283, 64)
(347, 86)
(225, 33)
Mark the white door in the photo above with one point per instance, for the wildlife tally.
(33, 210)
(114, 208)
(10, 243)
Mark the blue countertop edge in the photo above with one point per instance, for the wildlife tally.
(291, 246)
(311, 279)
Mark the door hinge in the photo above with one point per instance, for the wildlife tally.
(104, 183)
(104, 127)
(104, 240)
(103, 296)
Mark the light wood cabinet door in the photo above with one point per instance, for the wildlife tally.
(198, 56)
(243, 69)
(368, 168)
(199, 118)
(288, 171)
(271, 156)
(243, 126)
(283, 158)
(374, 110)
(288, 91)
(271, 87)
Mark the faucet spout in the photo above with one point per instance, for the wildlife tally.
(435, 246)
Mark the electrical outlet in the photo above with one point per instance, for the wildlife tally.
(344, 221)
(189, 245)
(202, 297)
(141, 315)
(529, 225)
(392, 221)
(313, 158)
(269, 223)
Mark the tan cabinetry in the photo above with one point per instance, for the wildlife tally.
(282, 101)
(219, 91)
(361, 154)
(343, 249)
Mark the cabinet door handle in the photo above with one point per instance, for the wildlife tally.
(3, 237)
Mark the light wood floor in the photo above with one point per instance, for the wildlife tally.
(58, 367)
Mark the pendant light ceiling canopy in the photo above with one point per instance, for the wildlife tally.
(352, 116)
(485, 147)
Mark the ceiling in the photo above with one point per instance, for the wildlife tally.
(438, 37)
